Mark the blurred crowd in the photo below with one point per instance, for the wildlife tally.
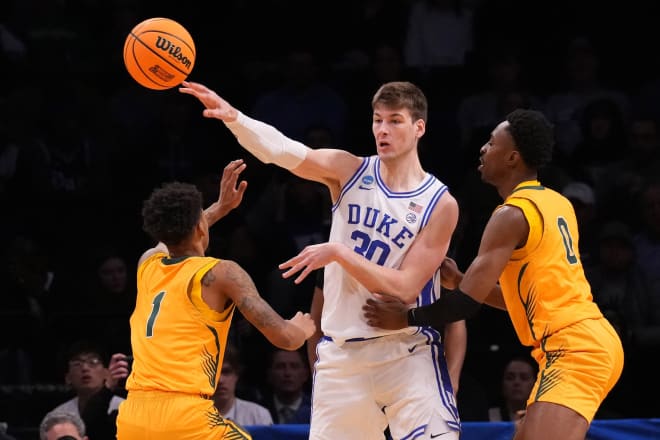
(82, 144)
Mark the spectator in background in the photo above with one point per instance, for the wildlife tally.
(304, 99)
(62, 425)
(647, 238)
(625, 176)
(517, 382)
(94, 386)
(617, 280)
(26, 283)
(288, 398)
(111, 298)
(242, 411)
(439, 34)
(3, 432)
(583, 84)
(103, 290)
(603, 141)
(483, 109)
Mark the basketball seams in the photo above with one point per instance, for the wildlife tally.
(146, 74)
(131, 57)
(144, 57)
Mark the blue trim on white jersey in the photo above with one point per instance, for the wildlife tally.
(427, 295)
(430, 179)
(352, 180)
(442, 377)
(415, 433)
(434, 201)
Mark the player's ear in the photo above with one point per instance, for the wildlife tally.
(421, 128)
(514, 156)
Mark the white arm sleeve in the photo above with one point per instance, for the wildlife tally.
(266, 143)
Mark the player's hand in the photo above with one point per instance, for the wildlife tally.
(309, 259)
(117, 370)
(391, 315)
(231, 195)
(216, 107)
(450, 276)
(305, 323)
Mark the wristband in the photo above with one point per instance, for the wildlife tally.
(412, 322)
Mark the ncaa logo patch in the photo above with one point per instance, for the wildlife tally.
(367, 181)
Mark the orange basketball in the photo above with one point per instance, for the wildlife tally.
(159, 53)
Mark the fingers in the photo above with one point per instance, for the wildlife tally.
(234, 164)
(303, 275)
(241, 189)
(294, 270)
(233, 169)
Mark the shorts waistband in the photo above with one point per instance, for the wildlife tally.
(160, 394)
(328, 338)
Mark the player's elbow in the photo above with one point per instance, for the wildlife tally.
(408, 292)
(410, 297)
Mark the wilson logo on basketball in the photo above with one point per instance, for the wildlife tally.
(174, 51)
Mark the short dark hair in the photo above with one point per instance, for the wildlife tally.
(533, 136)
(402, 94)
(86, 346)
(171, 212)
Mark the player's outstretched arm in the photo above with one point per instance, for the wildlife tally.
(233, 282)
(331, 167)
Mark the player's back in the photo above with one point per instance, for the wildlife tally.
(177, 341)
(543, 283)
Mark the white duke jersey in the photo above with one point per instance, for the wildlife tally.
(380, 225)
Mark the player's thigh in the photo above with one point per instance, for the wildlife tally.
(580, 364)
(344, 408)
(551, 421)
(343, 403)
(177, 418)
(417, 396)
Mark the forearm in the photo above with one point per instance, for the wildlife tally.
(315, 311)
(455, 343)
(495, 298)
(266, 143)
(214, 213)
(452, 306)
(379, 279)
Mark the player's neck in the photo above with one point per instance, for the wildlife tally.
(187, 249)
(402, 175)
(505, 188)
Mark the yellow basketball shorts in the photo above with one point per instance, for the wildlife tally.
(151, 415)
(578, 366)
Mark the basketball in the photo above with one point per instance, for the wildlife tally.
(159, 53)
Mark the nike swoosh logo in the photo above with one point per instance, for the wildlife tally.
(438, 435)
(364, 187)
(411, 349)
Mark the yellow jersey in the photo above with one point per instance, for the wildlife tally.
(177, 340)
(543, 283)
